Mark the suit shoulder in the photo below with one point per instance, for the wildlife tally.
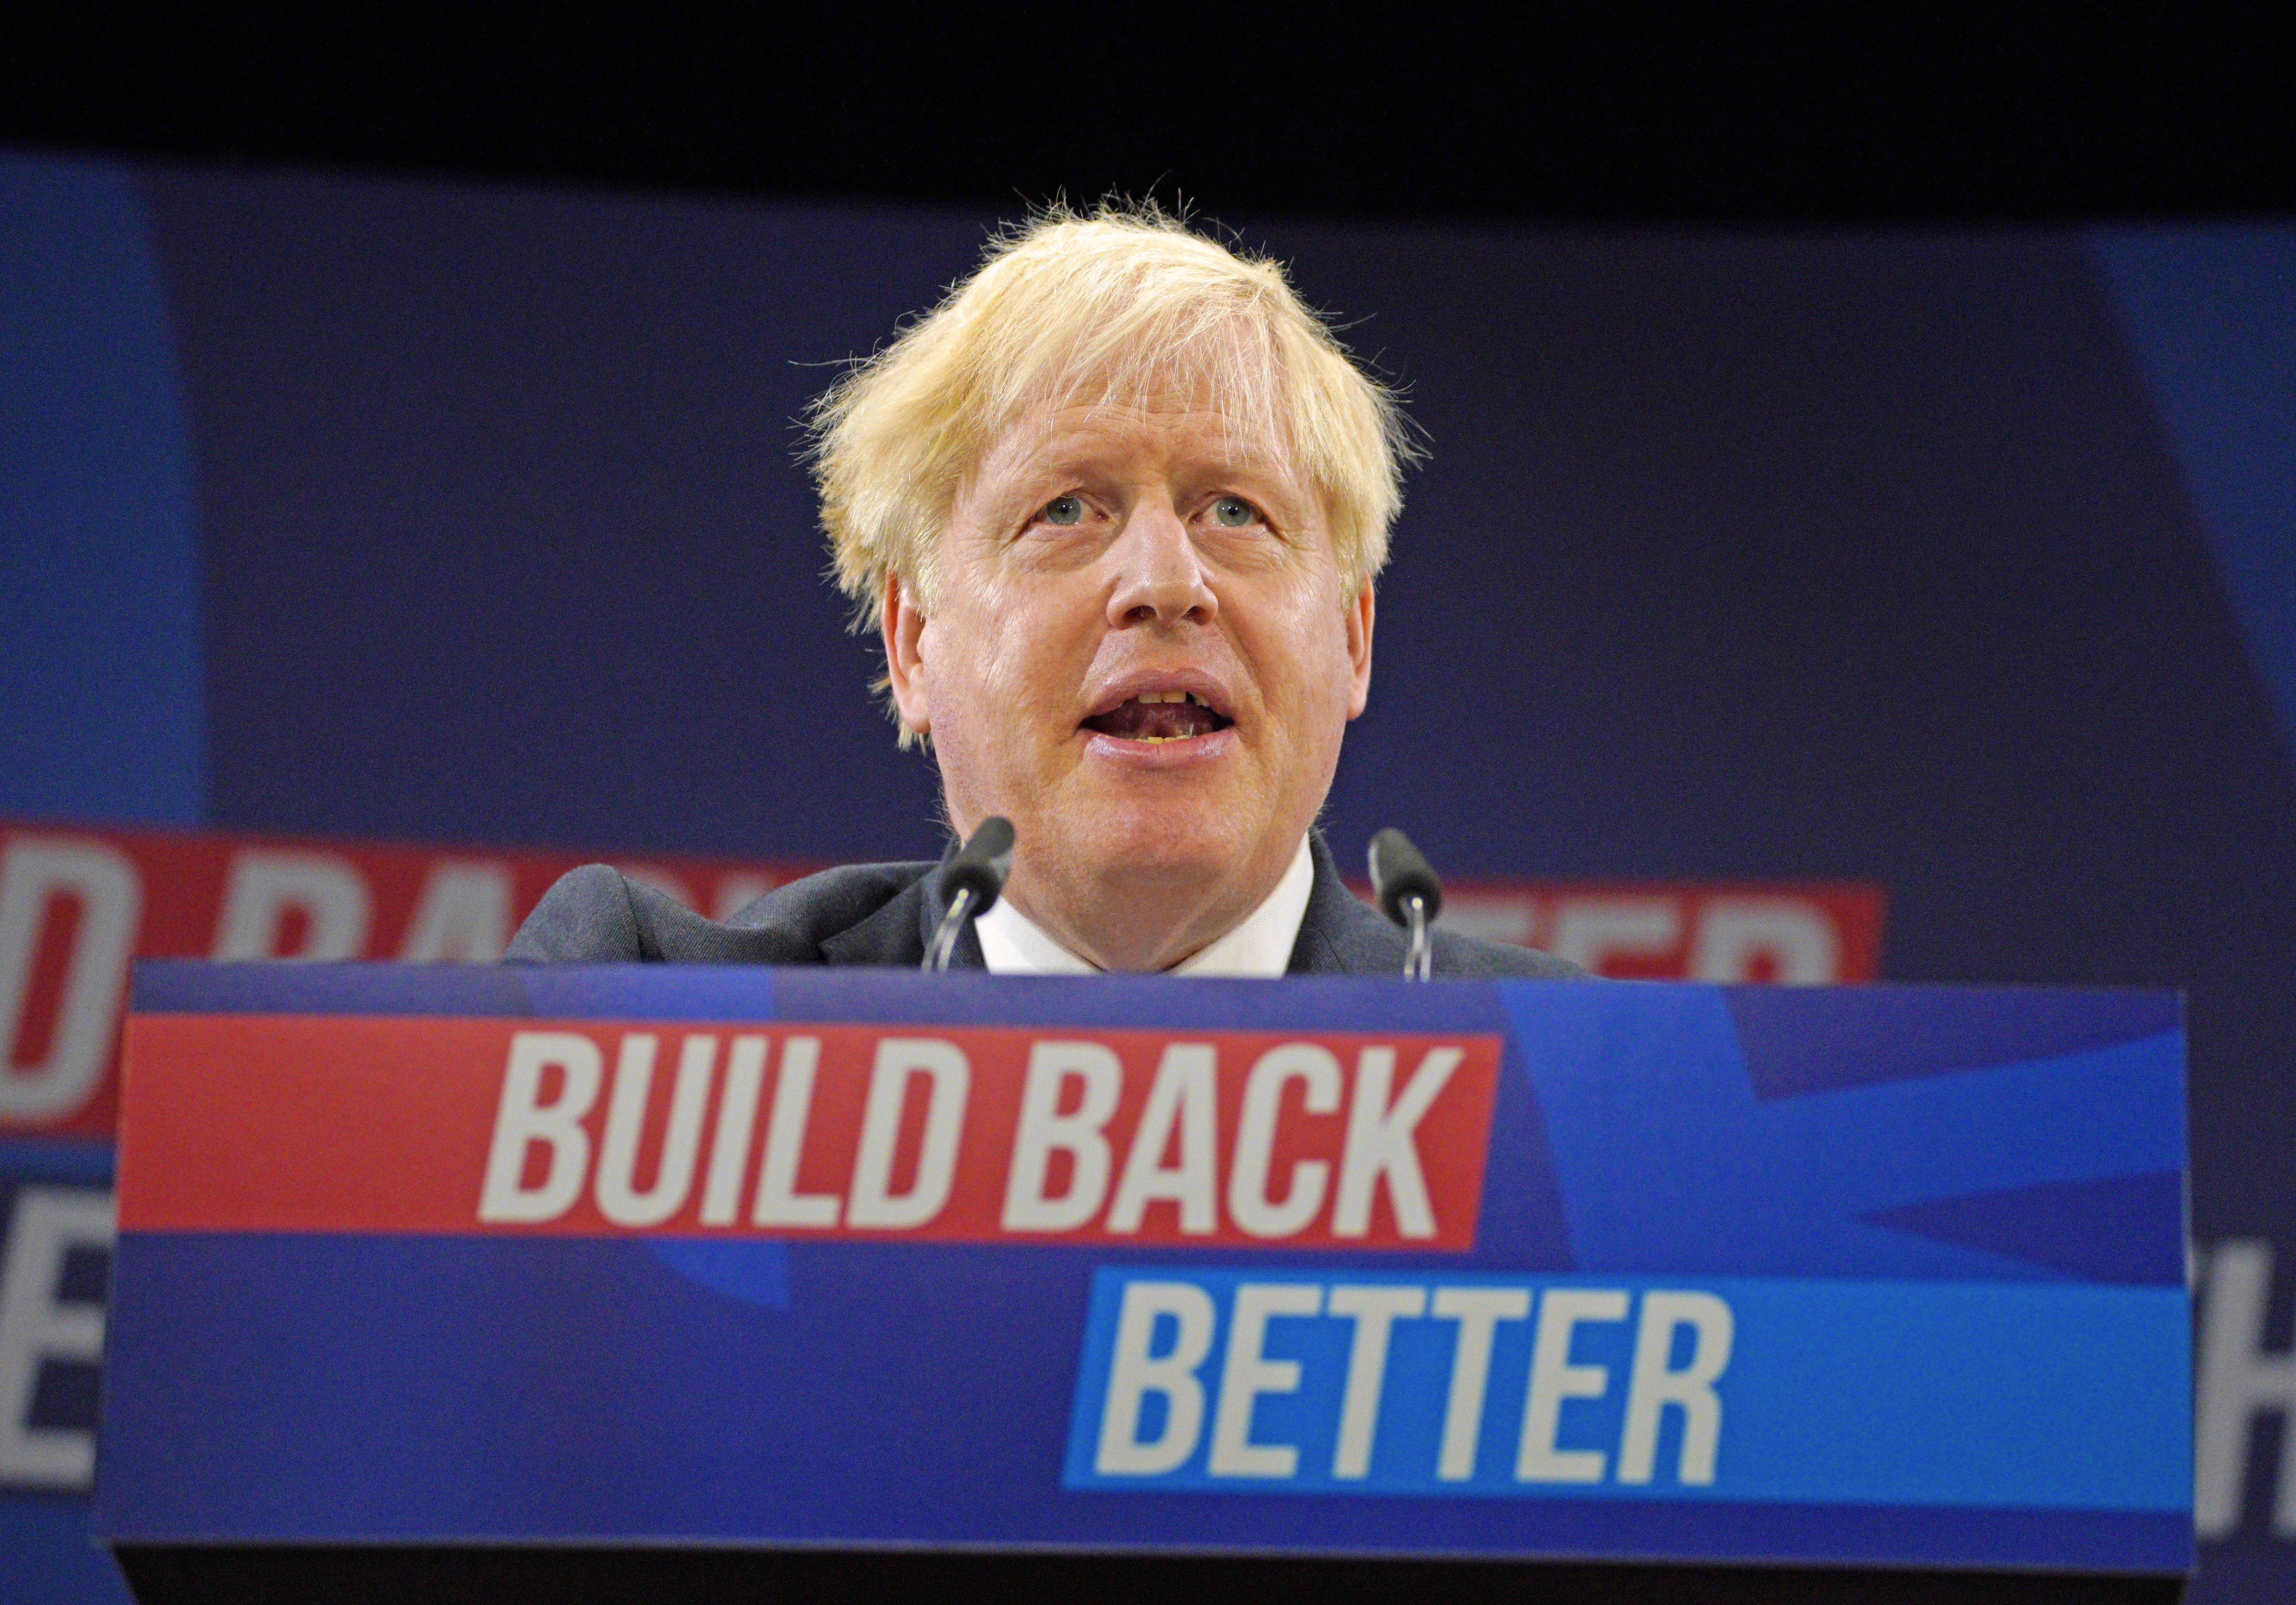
(830, 902)
(597, 915)
(1457, 955)
(1343, 934)
(586, 916)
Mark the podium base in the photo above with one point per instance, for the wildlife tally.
(260, 1575)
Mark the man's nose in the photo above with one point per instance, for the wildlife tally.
(1159, 578)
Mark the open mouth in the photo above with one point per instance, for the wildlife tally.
(1159, 716)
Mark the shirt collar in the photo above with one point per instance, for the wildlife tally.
(1013, 944)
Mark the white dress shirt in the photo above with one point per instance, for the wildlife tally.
(1014, 944)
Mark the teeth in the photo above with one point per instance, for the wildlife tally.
(1172, 696)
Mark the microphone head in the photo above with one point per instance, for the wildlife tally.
(981, 864)
(1399, 870)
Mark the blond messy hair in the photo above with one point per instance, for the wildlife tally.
(1120, 304)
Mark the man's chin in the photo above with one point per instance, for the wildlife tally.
(1162, 842)
(1146, 823)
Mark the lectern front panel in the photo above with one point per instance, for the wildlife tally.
(540, 1273)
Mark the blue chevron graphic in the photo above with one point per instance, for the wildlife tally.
(1670, 1162)
(750, 1273)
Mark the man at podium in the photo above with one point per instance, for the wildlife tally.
(1115, 509)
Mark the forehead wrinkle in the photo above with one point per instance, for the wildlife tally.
(1226, 366)
(1091, 436)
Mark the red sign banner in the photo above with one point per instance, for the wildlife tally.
(259, 1122)
(76, 903)
(1798, 933)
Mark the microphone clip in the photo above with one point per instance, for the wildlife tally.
(975, 879)
(1404, 885)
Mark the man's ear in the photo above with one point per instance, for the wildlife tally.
(1359, 619)
(903, 628)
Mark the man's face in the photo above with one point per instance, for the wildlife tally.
(1143, 656)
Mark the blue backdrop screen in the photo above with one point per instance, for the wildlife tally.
(1959, 562)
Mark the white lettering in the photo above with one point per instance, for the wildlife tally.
(1796, 937)
(521, 1120)
(1653, 1385)
(1591, 931)
(1248, 1203)
(1183, 1094)
(2239, 1380)
(36, 872)
(1383, 1140)
(266, 886)
(779, 1203)
(1478, 1311)
(1247, 1373)
(619, 1198)
(463, 914)
(36, 1327)
(1043, 1131)
(900, 1060)
(1562, 1311)
(1134, 1373)
(737, 1119)
(1375, 1310)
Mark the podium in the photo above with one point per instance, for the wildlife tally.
(650, 1282)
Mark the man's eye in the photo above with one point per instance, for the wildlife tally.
(1234, 512)
(1063, 510)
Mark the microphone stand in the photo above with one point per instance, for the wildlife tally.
(976, 878)
(1408, 892)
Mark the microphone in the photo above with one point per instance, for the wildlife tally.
(1409, 893)
(975, 877)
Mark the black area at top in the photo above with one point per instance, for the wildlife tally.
(1602, 113)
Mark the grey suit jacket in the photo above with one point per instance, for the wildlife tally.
(886, 914)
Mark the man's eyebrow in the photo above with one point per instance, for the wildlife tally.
(1076, 445)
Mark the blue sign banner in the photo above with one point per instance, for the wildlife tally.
(1237, 1382)
(1883, 1276)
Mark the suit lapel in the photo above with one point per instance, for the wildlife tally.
(887, 936)
(899, 933)
(1340, 935)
